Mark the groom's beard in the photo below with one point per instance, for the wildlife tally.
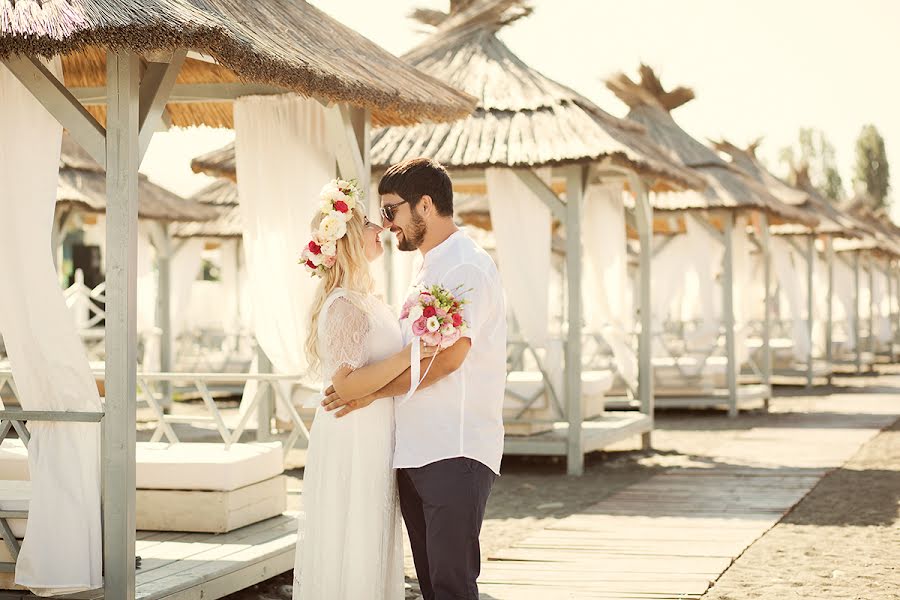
(413, 237)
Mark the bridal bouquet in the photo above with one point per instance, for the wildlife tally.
(435, 315)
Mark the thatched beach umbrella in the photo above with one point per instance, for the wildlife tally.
(221, 196)
(130, 68)
(834, 225)
(525, 121)
(729, 192)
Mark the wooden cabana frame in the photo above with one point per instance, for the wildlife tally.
(544, 125)
(139, 78)
(730, 192)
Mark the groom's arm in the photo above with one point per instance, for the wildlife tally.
(446, 362)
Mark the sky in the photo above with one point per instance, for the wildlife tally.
(759, 69)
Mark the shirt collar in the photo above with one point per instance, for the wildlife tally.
(441, 249)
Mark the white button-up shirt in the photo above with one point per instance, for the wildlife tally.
(462, 414)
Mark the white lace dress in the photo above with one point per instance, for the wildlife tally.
(349, 544)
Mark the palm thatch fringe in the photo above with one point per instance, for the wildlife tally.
(728, 186)
(523, 118)
(82, 187)
(284, 43)
(221, 194)
(218, 163)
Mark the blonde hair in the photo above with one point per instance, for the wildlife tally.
(350, 272)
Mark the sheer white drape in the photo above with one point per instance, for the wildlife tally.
(184, 269)
(522, 229)
(790, 272)
(607, 292)
(283, 160)
(62, 548)
(147, 283)
(743, 288)
(844, 309)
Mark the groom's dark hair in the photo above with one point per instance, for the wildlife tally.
(417, 177)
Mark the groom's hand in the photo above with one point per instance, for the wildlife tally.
(333, 402)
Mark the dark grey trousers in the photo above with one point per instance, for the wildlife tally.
(443, 507)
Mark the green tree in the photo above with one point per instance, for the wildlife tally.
(871, 172)
(814, 150)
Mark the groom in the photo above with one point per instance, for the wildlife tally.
(449, 434)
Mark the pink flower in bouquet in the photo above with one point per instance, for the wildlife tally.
(429, 312)
(457, 319)
(432, 338)
(441, 313)
(448, 340)
(420, 327)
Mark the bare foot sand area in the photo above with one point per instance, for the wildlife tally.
(799, 502)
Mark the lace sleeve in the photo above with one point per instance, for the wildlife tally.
(344, 337)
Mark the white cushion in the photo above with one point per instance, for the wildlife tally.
(206, 466)
(529, 383)
(185, 466)
(15, 495)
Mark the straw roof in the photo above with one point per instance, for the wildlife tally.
(831, 220)
(223, 195)
(523, 119)
(285, 43)
(877, 220)
(82, 187)
(218, 163)
(728, 186)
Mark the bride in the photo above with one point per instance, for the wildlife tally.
(349, 546)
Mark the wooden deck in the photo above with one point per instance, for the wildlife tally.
(749, 396)
(597, 434)
(182, 566)
(673, 535)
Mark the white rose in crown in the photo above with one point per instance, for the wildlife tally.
(333, 227)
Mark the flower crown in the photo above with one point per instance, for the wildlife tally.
(337, 200)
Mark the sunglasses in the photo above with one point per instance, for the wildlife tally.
(387, 211)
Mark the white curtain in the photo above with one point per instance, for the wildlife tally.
(184, 268)
(790, 272)
(844, 290)
(283, 160)
(882, 307)
(705, 262)
(146, 298)
(608, 298)
(61, 552)
(522, 228)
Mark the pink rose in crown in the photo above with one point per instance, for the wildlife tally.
(314, 247)
(329, 261)
(341, 206)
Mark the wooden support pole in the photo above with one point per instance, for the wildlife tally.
(164, 255)
(575, 177)
(872, 339)
(266, 406)
(829, 307)
(644, 218)
(119, 429)
(857, 325)
(810, 303)
(728, 311)
(890, 315)
(766, 242)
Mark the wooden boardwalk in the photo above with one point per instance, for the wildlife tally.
(673, 535)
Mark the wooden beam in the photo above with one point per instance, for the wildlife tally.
(810, 303)
(575, 176)
(121, 337)
(856, 311)
(546, 195)
(157, 84)
(61, 103)
(728, 311)
(766, 246)
(644, 218)
(342, 133)
(189, 93)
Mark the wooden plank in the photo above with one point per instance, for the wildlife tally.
(185, 577)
